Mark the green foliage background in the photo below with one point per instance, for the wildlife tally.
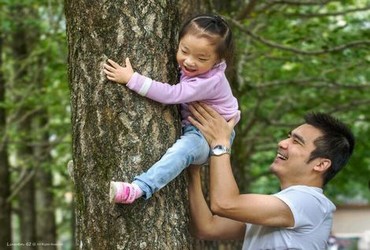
(296, 58)
(43, 87)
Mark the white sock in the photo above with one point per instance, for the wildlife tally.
(138, 190)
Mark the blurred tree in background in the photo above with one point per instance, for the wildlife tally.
(36, 132)
(292, 57)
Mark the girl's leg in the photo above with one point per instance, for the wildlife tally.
(191, 148)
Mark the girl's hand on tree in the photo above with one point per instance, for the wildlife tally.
(118, 73)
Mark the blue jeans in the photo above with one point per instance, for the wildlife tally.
(190, 148)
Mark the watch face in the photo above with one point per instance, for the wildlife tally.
(220, 150)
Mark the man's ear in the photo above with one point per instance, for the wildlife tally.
(322, 165)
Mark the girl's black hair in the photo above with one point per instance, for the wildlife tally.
(215, 29)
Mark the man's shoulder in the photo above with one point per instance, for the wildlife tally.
(305, 194)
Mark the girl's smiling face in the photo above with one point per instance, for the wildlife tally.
(196, 55)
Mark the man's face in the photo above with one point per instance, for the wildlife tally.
(291, 162)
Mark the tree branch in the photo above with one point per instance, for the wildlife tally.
(299, 2)
(340, 13)
(295, 50)
(25, 177)
(245, 12)
(313, 82)
(349, 106)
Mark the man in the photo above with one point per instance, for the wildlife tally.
(299, 216)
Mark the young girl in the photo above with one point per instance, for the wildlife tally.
(205, 42)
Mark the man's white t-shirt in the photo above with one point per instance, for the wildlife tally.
(313, 218)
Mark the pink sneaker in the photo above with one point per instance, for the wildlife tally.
(123, 192)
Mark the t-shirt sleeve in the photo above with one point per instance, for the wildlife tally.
(305, 207)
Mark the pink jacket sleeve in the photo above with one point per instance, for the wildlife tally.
(195, 89)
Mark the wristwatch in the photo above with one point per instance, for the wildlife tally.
(220, 150)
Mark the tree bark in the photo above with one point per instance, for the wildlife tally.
(118, 134)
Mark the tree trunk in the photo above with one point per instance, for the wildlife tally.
(46, 227)
(21, 43)
(45, 209)
(27, 212)
(5, 205)
(118, 134)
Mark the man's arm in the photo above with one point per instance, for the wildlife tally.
(205, 225)
(226, 201)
